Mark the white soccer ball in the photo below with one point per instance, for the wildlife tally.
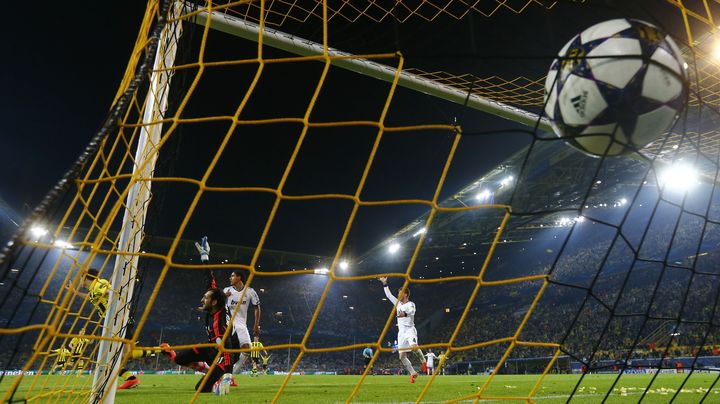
(615, 87)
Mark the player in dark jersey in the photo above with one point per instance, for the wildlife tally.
(213, 303)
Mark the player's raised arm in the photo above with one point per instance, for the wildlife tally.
(386, 288)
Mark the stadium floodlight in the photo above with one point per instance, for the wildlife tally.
(322, 271)
(344, 265)
(623, 201)
(62, 244)
(483, 195)
(716, 50)
(38, 231)
(507, 180)
(679, 177)
(564, 221)
(420, 231)
(580, 219)
(394, 247)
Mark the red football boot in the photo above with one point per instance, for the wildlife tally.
(129, 384)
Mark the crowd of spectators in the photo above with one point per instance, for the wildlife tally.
(605, 299)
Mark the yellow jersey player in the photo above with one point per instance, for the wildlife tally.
(256, 347)
(99, 291)
(98, 295)
(62, 355)
(265, 359)
(77, 348)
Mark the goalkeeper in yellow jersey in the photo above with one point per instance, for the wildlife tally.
(98, 294)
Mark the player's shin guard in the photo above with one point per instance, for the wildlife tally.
(407, 364)
(237, 367)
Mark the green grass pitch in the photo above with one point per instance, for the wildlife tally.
(396, 389)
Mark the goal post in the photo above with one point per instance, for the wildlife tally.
(125, 269)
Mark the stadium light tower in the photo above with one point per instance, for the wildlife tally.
(321, 271)
(62, 244)
(344, 265)
(680, 177)
(394, 247)
(716, 50)
(483, 195)
(38, 231)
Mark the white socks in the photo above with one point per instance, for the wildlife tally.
(407, 364)
(237, 367)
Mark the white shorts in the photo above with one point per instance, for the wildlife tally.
(242, 334)
(407, 337)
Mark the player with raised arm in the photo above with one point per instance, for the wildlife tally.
(240, 337)
(407, 334)
(236, 292)
(203, 248)
(213, 303)
(265, 359)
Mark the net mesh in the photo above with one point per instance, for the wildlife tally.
(647, 282)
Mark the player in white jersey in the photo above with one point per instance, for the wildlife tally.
(235, 292)
(430, 362)
(407, 334)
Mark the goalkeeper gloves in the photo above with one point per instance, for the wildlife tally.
(204, 249)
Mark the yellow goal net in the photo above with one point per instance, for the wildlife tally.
(321, 145)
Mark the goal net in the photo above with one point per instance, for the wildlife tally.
(323, 145)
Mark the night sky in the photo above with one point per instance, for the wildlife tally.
(62, 66)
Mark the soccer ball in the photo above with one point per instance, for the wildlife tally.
(615, 87)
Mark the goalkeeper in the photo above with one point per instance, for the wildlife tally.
(213, 303)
